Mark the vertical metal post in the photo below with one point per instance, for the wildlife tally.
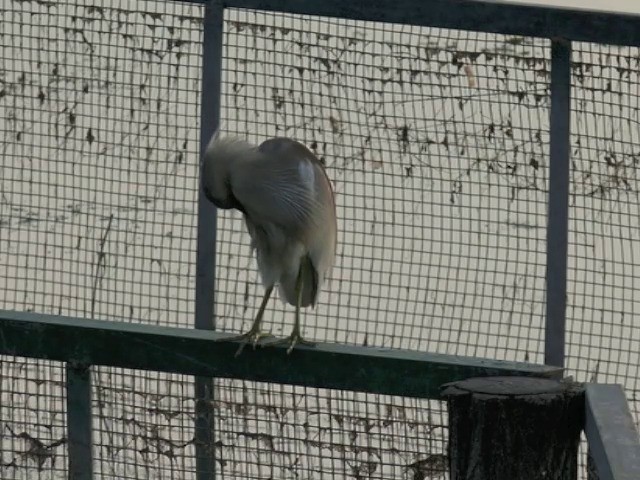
(206, 256)
(614, 446)
(558, 216)
(79, 426)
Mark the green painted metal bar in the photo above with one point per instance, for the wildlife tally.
(213, 23)
(558, 210)
(476, 15)
(211, 354)
(582, 24)
(79, 422)
(614, 444)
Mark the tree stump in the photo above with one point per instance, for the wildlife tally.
(514, 428)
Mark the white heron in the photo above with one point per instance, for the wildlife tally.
(289, 209)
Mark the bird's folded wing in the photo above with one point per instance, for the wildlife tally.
(281, 191)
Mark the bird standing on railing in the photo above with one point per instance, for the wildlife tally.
(289, 209)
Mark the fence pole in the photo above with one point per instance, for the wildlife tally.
(79, 422)
(206, 256)
(614, 446)
(558, 216)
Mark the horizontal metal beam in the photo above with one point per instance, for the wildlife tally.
(475, 15)
(211, 354)
(494, 16)
(613, 439)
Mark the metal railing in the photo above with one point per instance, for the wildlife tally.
(613, 439)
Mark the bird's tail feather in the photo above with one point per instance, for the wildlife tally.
(310, 284)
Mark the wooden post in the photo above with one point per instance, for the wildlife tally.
(506, 428)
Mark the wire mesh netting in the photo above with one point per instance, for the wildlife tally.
(603, 341)
(100, 145)
(437, 144)
(32, 419)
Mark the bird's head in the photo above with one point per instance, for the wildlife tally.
(221, 157)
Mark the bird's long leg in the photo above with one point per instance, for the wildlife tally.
(254, 334)
(296, 338)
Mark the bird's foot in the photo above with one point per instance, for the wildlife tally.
(252, 337)
(294, 339)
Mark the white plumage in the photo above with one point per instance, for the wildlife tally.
(289, 210)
